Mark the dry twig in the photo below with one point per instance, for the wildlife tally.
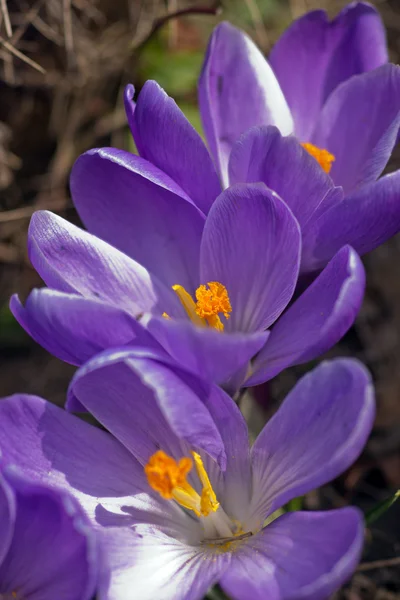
(380, 564)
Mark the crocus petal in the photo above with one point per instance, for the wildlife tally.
(146, 404)
(137, 208)
(359, 125)
(74, 328)
(316, 320)
(315, 55)
(129, 103)
(7, 517)
(365, 219)
(147, 564)
(55, 448)
(301, 555)
(53, 553)
(70, 259)
(236, 490)
(316, 434)
(263, 154)
(237, 90)
(251, 244)
(165, 138)
(204, 351)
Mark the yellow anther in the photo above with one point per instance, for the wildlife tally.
(212, 299)
(168, 477)
(209, 500)
(323, 157)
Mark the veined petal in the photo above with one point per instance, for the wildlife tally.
(147, 564)
(300, 556)
(251, 244)
(137, 208)
(55, 448)
(315, 55)
(263, 154)
(316, 320)
(237, 90)
(365, 219)
(361, 152)
(204, 351)
(165, 137)
(144, 401)
(70, 259)
(53, 553)
(7, 517)
(74, 328)
(317, 433)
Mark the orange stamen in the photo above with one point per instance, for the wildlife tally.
(323, 157)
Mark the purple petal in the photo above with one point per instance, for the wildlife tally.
(316, 320)
(300, 556)
(251, 244)
(146, 404)
(74, 328)
(149, 565)
(165, 138)
(53, 553)
(234, 433)
(365, 219)
(359, 126)
(316, 434)
(237, 90)
(208, 353)
(315, 55)
(129, 104)
(52, 447)
(263, 154)
(58, 449)
(72, 260)
(7, 518)
(134, 206)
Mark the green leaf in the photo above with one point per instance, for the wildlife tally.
(379, 509)
(295, 504)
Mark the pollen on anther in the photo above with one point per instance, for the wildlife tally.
(212, 299)
(322, 156)
(164, 473)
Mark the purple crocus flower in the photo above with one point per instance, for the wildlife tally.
(178, 498)
(328, 87)
(48, 550)
(327, 83)
(208, 291)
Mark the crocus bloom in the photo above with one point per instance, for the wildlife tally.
(48, 550)
(179, 499)
(326, 82)
(207, 291)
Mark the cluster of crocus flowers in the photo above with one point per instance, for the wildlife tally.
(48, 550)
(201, 272)
(163, 228)
(179, 499)
(215, 309)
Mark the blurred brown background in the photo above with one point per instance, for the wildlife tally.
(63, 67)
